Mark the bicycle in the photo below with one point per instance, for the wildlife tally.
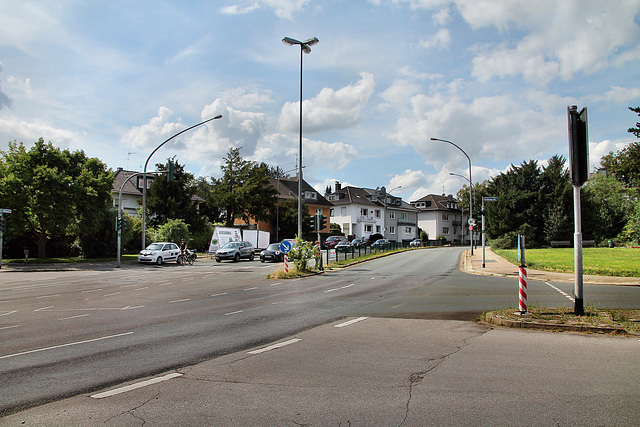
(189, 258)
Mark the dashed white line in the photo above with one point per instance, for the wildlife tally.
(9, 327)
(350, 322)
(64, 345)
(180, 300)
(340, 288)
(91, 290)
(277, 302)
(275, 346)
(110, 295)
(276, 284)
(219, 295)
(74, 317)
(48, 296)
(561, 291)
(43, 308)
(251, 289)
(234, 312)
(135, 386)
(165, 284)
(8, 313)
(141, 289)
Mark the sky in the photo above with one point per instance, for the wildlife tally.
(117, 78)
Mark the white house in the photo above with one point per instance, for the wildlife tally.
(440, 216)
(361, 212)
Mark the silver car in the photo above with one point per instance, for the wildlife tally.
(236, 251)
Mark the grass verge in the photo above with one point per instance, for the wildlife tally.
(621, 262)
(608, 321)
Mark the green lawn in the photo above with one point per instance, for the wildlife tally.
(598, 261)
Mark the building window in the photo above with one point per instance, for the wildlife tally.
(445, 217)
(403, 215)
(392, 214)
(407, 230)
(377, 229)
(310, 195)
(331, 212)
(377, 213)
(392, 230)
(368, 228)
(345, 228)
(364, 212)
(343, 211)
(445, 230)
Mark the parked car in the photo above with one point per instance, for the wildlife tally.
(358, 242)
(159, 253)
(272, 253)
(236, 251)
(332, 241)
(380, 243)
(415, 243)
(343, 246)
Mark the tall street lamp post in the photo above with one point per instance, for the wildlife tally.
(470, 189)
(305, 47)
(144, 188)
(471, 185)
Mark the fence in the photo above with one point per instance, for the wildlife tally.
(344, 253)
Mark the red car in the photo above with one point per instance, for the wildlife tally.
(332, 241)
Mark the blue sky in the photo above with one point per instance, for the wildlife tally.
(116, 78)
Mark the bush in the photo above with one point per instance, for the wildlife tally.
(301, 253)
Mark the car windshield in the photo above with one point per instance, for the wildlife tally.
(231, 245)
(154, 247)
(274, 247)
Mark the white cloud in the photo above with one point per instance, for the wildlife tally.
(441, 40)
(442, 17)
(282, 8)
(29, 132)
(616, 95)
(329, 109)
(597, 150)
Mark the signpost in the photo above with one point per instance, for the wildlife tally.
(3, 225)
(485, 199)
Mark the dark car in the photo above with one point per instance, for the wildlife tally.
(332, 241)
(272, 253)
(358, 242)
(380, 243)
(344, 246)
(236, 251)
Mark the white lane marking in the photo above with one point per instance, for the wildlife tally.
(129, 286)
(189, 279)
(135, 386)
(275, 346)
(561, 291)
(91, 290)
(165, 284)
(180, 300)
(9, 327)
(141, 289)
(276, 284)
(110, 295)
(251, 289)
(48, 296)
(7, 356)
(131, 308)
(234, 312)
(8, 313)
(340, 288)
(75, 317)
(219, 295)
(277, 302)
(350, 322)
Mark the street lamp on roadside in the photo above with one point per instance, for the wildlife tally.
(470, 183)
(305, 47)
(144, 188)
(470, 189)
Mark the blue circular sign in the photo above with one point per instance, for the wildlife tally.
(285, 246)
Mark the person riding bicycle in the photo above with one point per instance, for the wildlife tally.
(183, 248)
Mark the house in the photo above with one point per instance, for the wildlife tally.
(440, 216)
(361, 212)
(287, 188)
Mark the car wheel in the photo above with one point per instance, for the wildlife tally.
(252, 256)
(261, 259)
(159, 260)
(218, 260)
(236, 258)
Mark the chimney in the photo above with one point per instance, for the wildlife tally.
(338, 186)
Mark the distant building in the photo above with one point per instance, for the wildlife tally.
(361, 212)
(440, 216)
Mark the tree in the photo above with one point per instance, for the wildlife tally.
(54, 193)
(557, 200)
(607, 206)
(624, 165)
(244, 190)
(288, 221)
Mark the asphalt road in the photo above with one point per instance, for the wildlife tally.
(65, 333)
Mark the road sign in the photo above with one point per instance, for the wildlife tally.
(471, 227)
(490, 199)
(472, 222)
(285, 246)
(4, 211)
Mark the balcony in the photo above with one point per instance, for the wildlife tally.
(365, 218)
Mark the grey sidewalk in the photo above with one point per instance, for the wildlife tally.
(495, 265)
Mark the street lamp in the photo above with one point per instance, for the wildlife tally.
(384, 217)
(144, 188)
(305, 47)
(470, 183)
(470, 189)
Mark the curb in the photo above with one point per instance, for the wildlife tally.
(554, 327)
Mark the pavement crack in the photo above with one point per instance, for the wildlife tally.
(133, 410)
(417, 377)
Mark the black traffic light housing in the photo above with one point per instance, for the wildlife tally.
(323, 222)
(312, 223)
(3, 224)
(578, 145)
(171, 168)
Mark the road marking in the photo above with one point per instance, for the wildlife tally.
(91, 290)
(276, 284)
(277, 302)
(340, 288)
(219, 295)
(75, 317)
(141, 289)
(180, 300)
(48, 296)
(135, 386)
(251, 289)
(64, 345)
(561, 291)
(234, 312)
(8, 313)
(165, 284)
(9, 327)
(275, 346)
(109, 295)
(131, 308)
(350, 322)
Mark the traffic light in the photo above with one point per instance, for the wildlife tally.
(578, 145)
(123, 224)
(312, 223)
(3, 224)
(323, 222)
(171, 167)
(118, 223)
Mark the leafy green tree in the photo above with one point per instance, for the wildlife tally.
(244, 190)
(288, 221)
(557, 200)
(631, 231)
(55, 193)
(606, 207)
(624, 165)
(173, 230)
